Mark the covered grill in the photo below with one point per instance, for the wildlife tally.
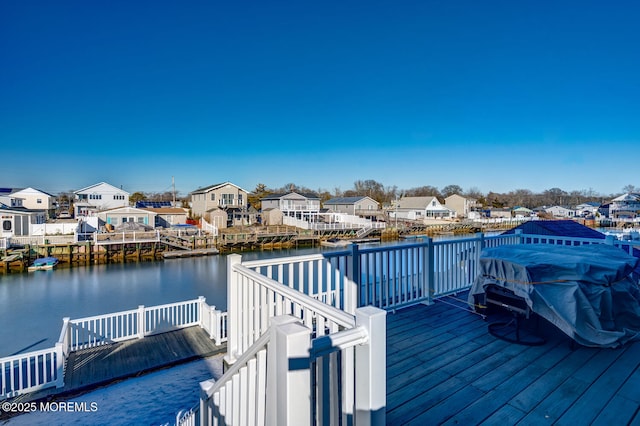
(589, 292)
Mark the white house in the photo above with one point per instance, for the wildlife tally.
(34, 199)
(7, 198)
(420, 208)
(560, 211)
(99, 197)
(625, 206)
(17, 221)
(587, 209)
(122, 215)
(293, 204)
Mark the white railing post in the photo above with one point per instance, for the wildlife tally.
(233, 308)
(141, 322)
(370, 364)
(290, 404)
(202, 315)
(206, 415)
(60, 362)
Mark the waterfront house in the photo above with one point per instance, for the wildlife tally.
(8, 199)
(421, 208)
(168, 216)
(211, 202)
(362, 206)
(626, 206)
(587, 209)
(461, 205)
(560, 211)
(120, 216)
(35, 199)
(522, 212)
(98, 197)
(499, 213)
(302, 206)
(17, 221)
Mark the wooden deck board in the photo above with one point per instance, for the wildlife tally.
(443, 367)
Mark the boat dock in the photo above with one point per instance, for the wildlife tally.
(88, 369)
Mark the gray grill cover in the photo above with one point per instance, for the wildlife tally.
(589, 292)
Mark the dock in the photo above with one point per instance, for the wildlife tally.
(174, 254)
(91, 368)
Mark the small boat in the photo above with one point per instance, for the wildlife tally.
(44, 263)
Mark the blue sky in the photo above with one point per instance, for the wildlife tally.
(492, 95)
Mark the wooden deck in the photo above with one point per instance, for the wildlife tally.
(443, 367)
(90, 368)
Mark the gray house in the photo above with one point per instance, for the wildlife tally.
(362, 206)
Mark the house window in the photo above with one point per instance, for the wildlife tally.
(227, 199)
(39, 201)
(6, 225)
(213, 196)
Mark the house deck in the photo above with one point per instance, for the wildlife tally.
(443, 367)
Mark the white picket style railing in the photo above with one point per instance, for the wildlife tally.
(41, 369)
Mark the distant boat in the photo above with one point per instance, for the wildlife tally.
(44, 263)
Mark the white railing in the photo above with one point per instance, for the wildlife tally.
(288, 378)
(253, 298)
(391, 277)
(37, 370)
(207, 227)
(126, 237)
(4, 243)
(298, 223)
(31, 372)
(251, 392)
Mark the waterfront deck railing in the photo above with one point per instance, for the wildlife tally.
(32, 371)
(275, 323)
(393, 276)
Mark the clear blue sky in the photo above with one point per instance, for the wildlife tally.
(494, 95)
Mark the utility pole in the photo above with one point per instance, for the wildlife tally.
(173, 184)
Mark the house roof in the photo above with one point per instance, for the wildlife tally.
(307, 195)
(561, 228)
(98, 184)
(415, 202)
(32, 190)
(165, 210)
(346, 200)
(214, 187)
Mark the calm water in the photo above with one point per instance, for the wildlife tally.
(34, 304)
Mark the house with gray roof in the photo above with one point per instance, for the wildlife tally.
(207, 201)
(421, 208)
(357, 206)
(302, 206)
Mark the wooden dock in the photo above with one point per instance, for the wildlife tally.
(91, 368)
(443, 367)
(173, 254)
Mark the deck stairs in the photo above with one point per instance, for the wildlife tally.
(177, 242)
